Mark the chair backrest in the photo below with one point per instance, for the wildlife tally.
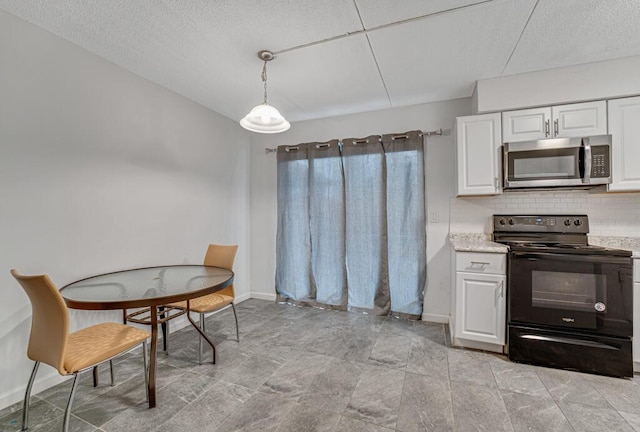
(222, 256)
(49, 321)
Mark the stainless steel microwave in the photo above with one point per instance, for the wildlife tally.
(560, 162)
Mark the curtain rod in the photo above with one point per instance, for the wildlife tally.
(423, 134)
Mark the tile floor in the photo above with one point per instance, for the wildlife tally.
(302, 369)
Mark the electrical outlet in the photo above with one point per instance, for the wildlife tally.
(434, 217)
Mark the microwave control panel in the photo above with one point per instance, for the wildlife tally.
(600, 161)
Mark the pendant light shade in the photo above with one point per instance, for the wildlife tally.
(265, 118)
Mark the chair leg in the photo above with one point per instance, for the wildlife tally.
(67, 412)
(165, 337)
(146, 368)
(200, 339)
(27, 397)
(95, 376)
(235, 315)
(113, 375)
(165, 331)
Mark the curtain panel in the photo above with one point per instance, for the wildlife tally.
(351, 224)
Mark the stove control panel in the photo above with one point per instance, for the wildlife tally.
(541, 223)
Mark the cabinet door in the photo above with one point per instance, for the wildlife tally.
(579, 120)
(624, 127)
(478, 154)
(480, 307)
(526, 125)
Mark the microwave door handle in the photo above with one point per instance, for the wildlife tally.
(586, 178)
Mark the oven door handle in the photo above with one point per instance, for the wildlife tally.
(596, 259)
(571, 341)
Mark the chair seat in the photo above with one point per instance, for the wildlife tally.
(204, 304)
(98, 343)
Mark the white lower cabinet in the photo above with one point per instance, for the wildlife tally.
(479, 300)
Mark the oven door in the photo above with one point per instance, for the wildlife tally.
(587, 292)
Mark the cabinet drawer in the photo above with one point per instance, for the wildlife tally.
(490, 263)
(636, 270)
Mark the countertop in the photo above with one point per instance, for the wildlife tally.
(464, 242)
(628, 243)
(474, 242)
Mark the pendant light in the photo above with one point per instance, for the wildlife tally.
(265, 118)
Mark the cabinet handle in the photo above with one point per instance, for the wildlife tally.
(555, 127)
(547, 128)
(480, 263)
(499, 293)
(497, 182)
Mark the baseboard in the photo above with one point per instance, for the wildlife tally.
(436, 318)
(241, 298)
(17, 394)
(263, 296)
(478, 345)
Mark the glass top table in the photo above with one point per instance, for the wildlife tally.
(150, 287)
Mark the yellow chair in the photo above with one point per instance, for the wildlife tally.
(217, 256)
(70, 354)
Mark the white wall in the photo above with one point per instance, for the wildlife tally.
(439, 187)
(102, 170)
(600, 80)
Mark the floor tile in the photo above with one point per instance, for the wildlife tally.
(585, 418)
(254, 371)
(207, 413)
(391, 350)
(308, 418)
(632, 419)
(534, 413)
(569, 386)
(40, 412)
(478, 408)
(471, 368)
(425, 405)
(429, 358)
(518, 378)
(294, 377)
(622, 394)
(376, 398)
(332, 389)
(348, 424)
(262, 412)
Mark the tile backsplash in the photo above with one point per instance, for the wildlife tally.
(609, 214)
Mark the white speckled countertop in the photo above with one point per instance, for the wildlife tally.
(464, 242)
(473, 242)
(628, 243)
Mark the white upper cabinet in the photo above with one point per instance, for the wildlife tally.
(560, 121)
(478, 154)
(624, 127)
(526, 125)
(580, 120)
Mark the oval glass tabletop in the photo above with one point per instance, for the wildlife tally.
(145, 286)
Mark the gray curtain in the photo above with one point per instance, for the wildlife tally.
(293, 239)
(406, 222)
(326, 224)
(366, 225)
(351, 224)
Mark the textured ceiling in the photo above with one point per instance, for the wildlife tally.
(206, 50)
